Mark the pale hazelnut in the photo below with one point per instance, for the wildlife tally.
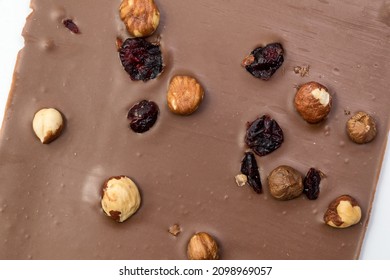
(285, 183)
(184, 95)
(141, 17)
(361, 128)
(202, 247)
(121, 198)
(343, 212)
(241, 180)
(47, 124)
(313, 102)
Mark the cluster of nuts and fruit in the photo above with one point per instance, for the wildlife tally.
(143, 60)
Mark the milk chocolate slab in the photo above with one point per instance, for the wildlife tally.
(185, 166)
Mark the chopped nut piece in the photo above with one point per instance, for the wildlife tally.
(184, 95)
(175, 230)
(313, 102)
(343, 212)
(302, 70)
(121, 198)
(241, 180)
(47, 124)
(361, 128)
(141, 17)
(285, 183)
(202, 247)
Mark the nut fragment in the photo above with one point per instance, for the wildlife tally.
(121, 198)
(175, 230)
(141, 17)
(202, 247)
(361, 128)
(184, 95)
(343, 212)
(285, 183)
(313, 102)
(241, 180)
(47, 124)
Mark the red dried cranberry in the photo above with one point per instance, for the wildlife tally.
(264, 61)
(143, 116)
(251, 170)
(142, 60)
(264, 135)
(68, 23)
(311, 184)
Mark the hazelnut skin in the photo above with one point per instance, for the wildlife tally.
(313, 102)
(285, 183)
(202, 247)
(361, 128)
(343, 212)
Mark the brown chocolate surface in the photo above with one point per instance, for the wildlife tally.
(185, 166)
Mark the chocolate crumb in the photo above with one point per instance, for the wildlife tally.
(302, 70)
(68, 23)
(175, 230)
(347, 112)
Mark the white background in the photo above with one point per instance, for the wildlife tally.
(12, 19)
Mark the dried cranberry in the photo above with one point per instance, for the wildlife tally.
(251, 170)
(143, 116)
(68, 23)
(264, 61)
(142, 60)
(264, 135)
(311, 184)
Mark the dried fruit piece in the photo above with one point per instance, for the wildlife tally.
(251, 170)
(141, 17)
(143, 116)
(184, 95)
(313, 102)
(343, 212)
(264, 61)
(142, 60)
(68, 23)
(285, 183)
(175, 230)
(47, 124)
(202, 247)
(264, 135)
(121, 198)
(311, 183)
(361, 128)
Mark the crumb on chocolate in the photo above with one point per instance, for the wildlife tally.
(347, 112)
(175, 230)
(302, 70)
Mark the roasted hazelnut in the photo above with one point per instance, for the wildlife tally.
(313, 102)
(202, 247)
(121, 198)
(47, 124)
(343, 212)
(361, 128)
(285, 183)
(141, 17)
(184, 95)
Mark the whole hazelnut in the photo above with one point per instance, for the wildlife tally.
(141, 17)
(285, 183)
(361, 128)
(121, 198)
(184, 95)
(313, 102)
(202, 247)
(47, 124)
(343, 212)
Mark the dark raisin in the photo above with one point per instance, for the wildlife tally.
(264, 135)
(311, 184)
(251, 170)
(142, 60)
(143, 116)
(68, 23)
(264, 61)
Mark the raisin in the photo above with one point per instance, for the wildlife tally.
(311, 184)
(143, 116)
(68, 23)
(251, 170)
(141, 59)
(264, 135)
(264, 61)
